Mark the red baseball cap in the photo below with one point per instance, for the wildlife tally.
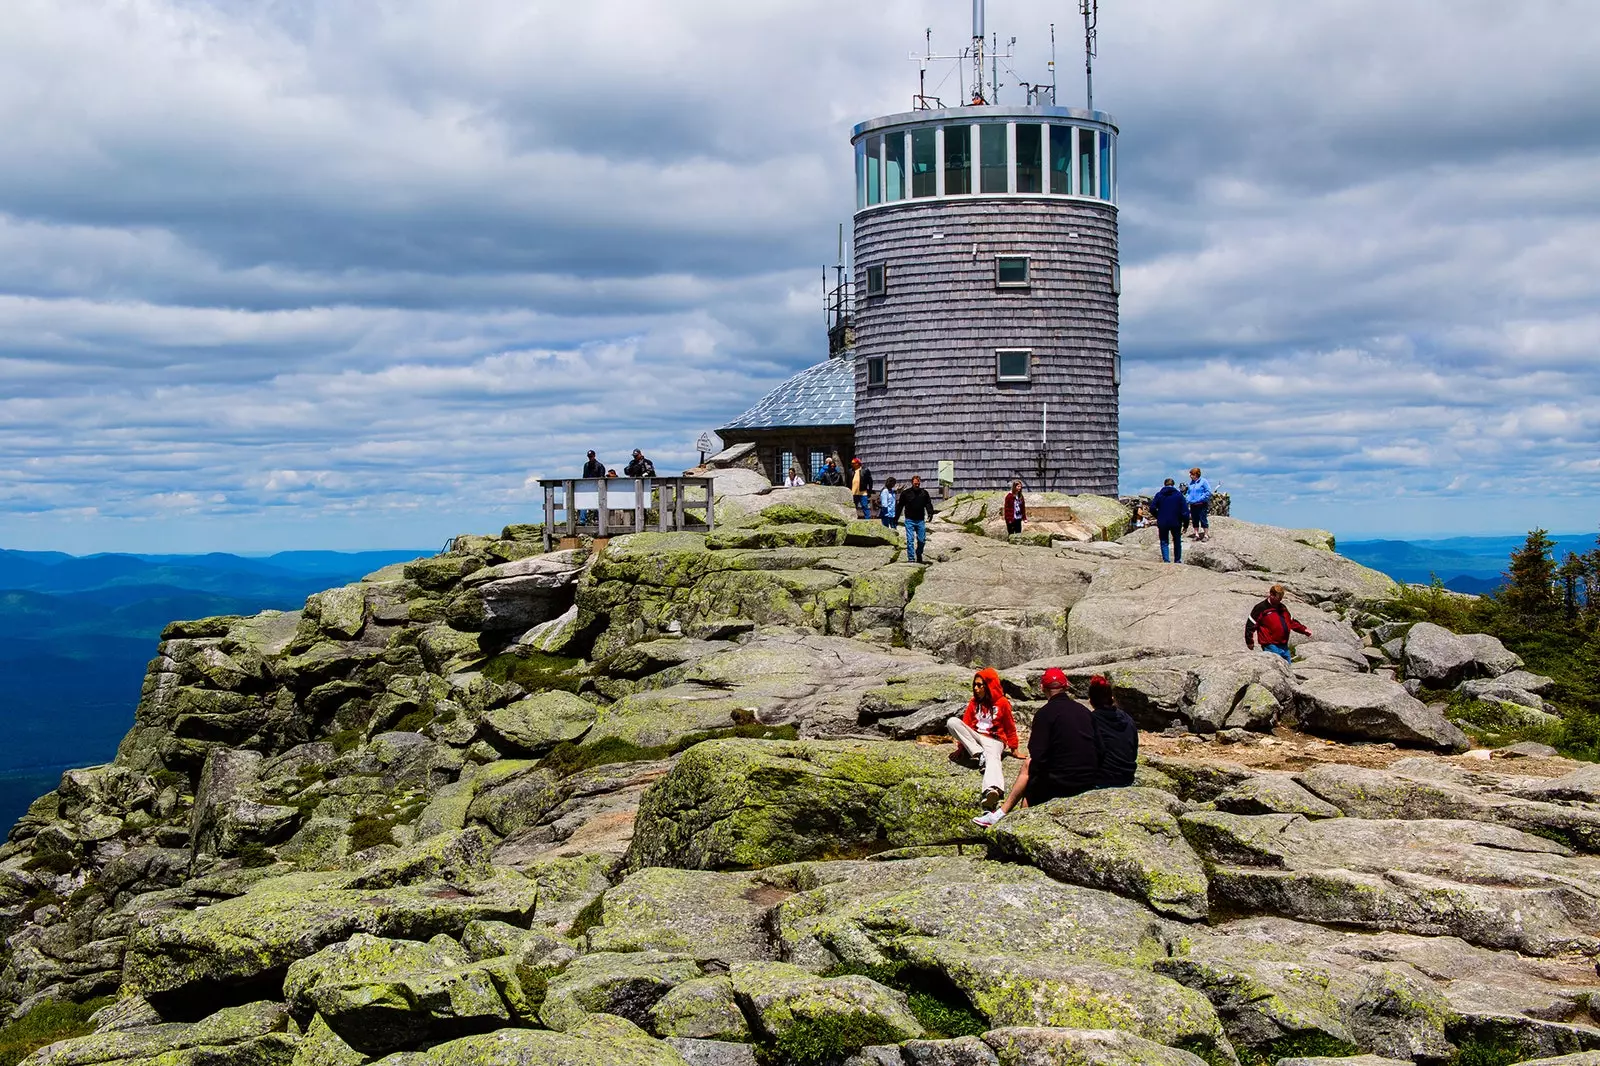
(855, 462)
(1055, 676)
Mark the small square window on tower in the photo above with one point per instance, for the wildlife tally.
(1013, 364)
(876, 280)
(877, 370)
(1011, 271)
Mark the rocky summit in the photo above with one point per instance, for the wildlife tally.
(687, 799)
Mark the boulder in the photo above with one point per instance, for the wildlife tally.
(226, 776)
(1369, 707)
(1041, 1046)
(458, 857)
(1435, 656)
(538, 723)
(713, 1052)
(247, 938)
(1489, 655)
(627, 985)
(1124, 840)
(610, 1046)
(244, 1035)
(996, 606)
(702, 1008)
(1581, 785)
(1274, 794)
(1298, 557)
(707, 915)
(813, 1019)
(743, 803)
(960, 1051)
(1487, 884)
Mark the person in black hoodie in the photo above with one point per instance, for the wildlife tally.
(1171, 511)
(1116, 738)
(916, 507)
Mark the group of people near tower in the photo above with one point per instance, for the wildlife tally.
(893, 505)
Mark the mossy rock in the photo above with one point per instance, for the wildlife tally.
(439, 572)
(535, 725)
(701, 913)
(810, 1019)
(626, 985)
(785, 535)
(779, 514)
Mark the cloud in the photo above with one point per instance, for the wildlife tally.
(300, 275)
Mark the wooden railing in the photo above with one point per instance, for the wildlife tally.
(600, 502)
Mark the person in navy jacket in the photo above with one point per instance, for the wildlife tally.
(1171, 510)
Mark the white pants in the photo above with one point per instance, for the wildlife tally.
(976, 743)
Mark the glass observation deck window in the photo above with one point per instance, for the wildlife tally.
(924, 163)
(996, 160)
(1030, 172)
(988, 159)
(957, 160)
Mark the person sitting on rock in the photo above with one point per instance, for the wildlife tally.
(796, 480)
(1062, 759)
(1269, 622)
(1116, 737)
(986, 731)
(831, 475)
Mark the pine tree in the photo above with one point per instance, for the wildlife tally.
(1530, 589)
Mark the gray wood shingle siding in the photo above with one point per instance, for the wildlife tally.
(941, 319)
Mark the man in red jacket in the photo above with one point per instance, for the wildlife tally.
(1270, 622)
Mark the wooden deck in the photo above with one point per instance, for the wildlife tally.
(614, 506)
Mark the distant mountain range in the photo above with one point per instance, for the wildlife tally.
(1465, 564)
(76, 633)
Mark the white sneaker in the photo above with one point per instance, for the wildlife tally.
(987, 821)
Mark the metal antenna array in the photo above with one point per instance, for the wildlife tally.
(838, 305)
(1090, 10)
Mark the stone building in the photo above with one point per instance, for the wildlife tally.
(803, 421)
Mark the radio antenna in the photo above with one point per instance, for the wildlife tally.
(1090, 10)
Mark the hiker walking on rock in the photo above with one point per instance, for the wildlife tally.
(986, 731)
(887, 501)
(1198, 495)
(1061, 751)
(1016, 509)
(861, 487)
(1170, 509)
(1116, 737)
(916, 507)
(1270, 623)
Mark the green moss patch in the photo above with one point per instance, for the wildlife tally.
(1298, 1045)
(46, 1024)
(571, 757)
(535, 671)
(935, 1002)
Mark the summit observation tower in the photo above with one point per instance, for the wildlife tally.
(986, 289)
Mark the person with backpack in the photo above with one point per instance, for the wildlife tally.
(1062, 758)
(640, 467)
(831, 475)
(985, 731)
(1116, 737)
(861, 487)
(1270, 623)
(887, 501)
(1171, 511)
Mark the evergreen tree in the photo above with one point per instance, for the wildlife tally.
(1530, 590)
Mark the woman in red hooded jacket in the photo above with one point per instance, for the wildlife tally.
(986, 731)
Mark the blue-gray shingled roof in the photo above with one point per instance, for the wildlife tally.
(821, 395)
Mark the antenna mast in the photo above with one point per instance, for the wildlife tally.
(1090, 10)
(978, 95)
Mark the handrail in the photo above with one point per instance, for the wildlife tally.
(597, 498)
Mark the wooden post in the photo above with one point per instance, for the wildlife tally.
(549, 514)
(600, 530)
(662, 506)
(638, 505)
(711, 509)
(678, 504)
(572, 512)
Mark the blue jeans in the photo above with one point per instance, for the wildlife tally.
(864, 506)
(1279, 649)
(1177, 543)
(919, 529)
(889, 520)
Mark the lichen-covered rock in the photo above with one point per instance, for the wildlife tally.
(741, 803)
(708, 915)
(1274, 794)
(1487, 884)
(1436, 656)
(1038, 989)
(996, 606)
(1042, 1046)
(812, 1018)
(286, 918)
(457, 858)
(534, 725)
(256, 1034)
(538, 1047)
(701, 1009)
(624, 984)
(960, 1051)
(1124, 840)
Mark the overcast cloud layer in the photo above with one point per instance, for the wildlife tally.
(338, 274)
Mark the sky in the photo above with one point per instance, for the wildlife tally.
(333, 274)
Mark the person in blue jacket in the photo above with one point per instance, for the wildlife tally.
(1171, 509)
(1198, 495)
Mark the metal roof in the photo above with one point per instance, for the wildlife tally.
(821, 395)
